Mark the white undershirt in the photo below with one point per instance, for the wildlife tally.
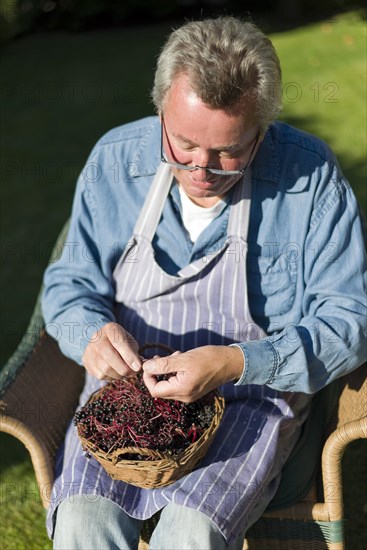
(196, 218)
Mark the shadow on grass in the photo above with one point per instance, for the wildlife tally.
(12, 452)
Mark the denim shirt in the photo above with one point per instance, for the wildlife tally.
(306, 265)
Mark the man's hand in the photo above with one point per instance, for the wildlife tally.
(193, 373)
(112, 353)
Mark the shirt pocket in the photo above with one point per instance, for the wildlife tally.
(271, 285)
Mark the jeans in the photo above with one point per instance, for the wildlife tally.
(90, 522)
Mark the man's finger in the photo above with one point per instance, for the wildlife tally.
(150, 382)
(125, 345)
(112, 357)
(165, 389)
(159, 365)
(102, 370)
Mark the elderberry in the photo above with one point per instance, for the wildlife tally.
(126, 415)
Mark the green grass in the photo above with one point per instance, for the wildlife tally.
(60, 92)
(324, 89)
(22, 516)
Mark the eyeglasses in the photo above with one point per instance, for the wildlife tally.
(215, 171)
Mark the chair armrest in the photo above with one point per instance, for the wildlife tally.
(38, 403)
(350, 423)
(332, 507)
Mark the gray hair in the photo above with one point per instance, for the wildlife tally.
(227, 61)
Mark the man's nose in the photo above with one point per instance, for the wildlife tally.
(200, 173)
(204, 160)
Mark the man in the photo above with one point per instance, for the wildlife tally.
(236, 241)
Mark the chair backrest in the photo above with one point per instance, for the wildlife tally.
(352, 403)
(350, 400)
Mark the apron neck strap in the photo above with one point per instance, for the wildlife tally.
(239, 217)
(151, 212)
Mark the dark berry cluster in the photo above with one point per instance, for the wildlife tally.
(126, 415)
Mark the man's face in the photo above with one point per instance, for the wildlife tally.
(195, 134)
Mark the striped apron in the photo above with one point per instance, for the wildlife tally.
(204, 303)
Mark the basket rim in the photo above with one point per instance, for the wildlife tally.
(174, 461)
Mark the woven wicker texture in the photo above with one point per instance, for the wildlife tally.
(161, 471)
(284, 534)
(351, 406)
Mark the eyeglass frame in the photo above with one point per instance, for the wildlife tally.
(213, 171)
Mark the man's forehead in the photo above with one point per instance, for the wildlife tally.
(181, 98)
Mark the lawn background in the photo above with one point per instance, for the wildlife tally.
(60, 92)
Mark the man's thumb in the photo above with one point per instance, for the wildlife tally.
(157, 365)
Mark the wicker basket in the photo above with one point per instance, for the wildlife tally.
(160, 470)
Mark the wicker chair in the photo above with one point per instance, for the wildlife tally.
(39, 391)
